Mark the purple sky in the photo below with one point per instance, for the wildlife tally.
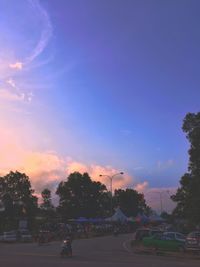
(102, 85)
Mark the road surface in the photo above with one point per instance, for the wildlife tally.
(103, 251)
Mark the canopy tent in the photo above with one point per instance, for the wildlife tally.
(118, 217)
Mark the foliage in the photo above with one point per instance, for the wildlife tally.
(131, 202)
(46, 200)
(82, 197)
(188, 195)
(17, 197)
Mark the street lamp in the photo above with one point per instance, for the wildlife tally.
(110, 177)
(160, 196)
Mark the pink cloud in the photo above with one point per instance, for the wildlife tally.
(47, 168)
(141, 187)
(10, 96)
(94, 170)
(16, 65)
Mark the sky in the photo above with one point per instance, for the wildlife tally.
(99, 86)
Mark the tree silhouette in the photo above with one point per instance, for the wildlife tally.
(188, 195)
(82, 197)
(130, 201)
(17, 197)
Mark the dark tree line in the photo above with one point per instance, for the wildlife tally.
(79, 196)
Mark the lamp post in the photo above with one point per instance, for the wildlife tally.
(110, 177)
(160, 197)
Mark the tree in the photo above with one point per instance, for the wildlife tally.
(46, 200)
(188, 194)
(130, 201)
(82, 197)
(17, 197)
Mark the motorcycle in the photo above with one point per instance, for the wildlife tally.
(66, 249)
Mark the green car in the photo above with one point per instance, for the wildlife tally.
(170, 241)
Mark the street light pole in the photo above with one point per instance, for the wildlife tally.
(161, 204)
(160, 196)
(111, 181)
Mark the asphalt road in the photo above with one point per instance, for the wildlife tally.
(104, 251)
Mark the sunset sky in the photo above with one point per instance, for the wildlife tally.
(99, 86)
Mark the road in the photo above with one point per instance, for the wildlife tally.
(103, 251)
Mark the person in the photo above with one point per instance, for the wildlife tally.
(67, 245)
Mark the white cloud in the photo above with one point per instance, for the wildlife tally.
(16, 65)
(11, 83)
(45, 34)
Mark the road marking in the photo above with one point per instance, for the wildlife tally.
(124, 244)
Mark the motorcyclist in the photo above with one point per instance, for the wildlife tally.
(67, 246)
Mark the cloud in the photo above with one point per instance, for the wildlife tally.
(94, 170)
(157, 197)
(11, 83)
(47, 168)
(10, 96)
(16, 65)
(141, 187)
(45, 34)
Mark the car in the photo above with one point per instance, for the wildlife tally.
(175, 236)
(165, 241)
(145, 232)
(193, 241)
(25, 235)
(10, 236)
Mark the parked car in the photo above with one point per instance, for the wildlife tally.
(165, 241)
(171, 241)
(10, 236)
(25, 236)
(193, 241)
(145, 232)
(174, 236)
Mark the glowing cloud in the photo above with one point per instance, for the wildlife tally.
(17, 65)
(47, 168)
(141, 187)
(94, 171)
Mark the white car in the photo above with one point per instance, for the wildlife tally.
(174, 236)
(10, 236)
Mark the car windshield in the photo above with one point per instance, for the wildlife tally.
(169, 236)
